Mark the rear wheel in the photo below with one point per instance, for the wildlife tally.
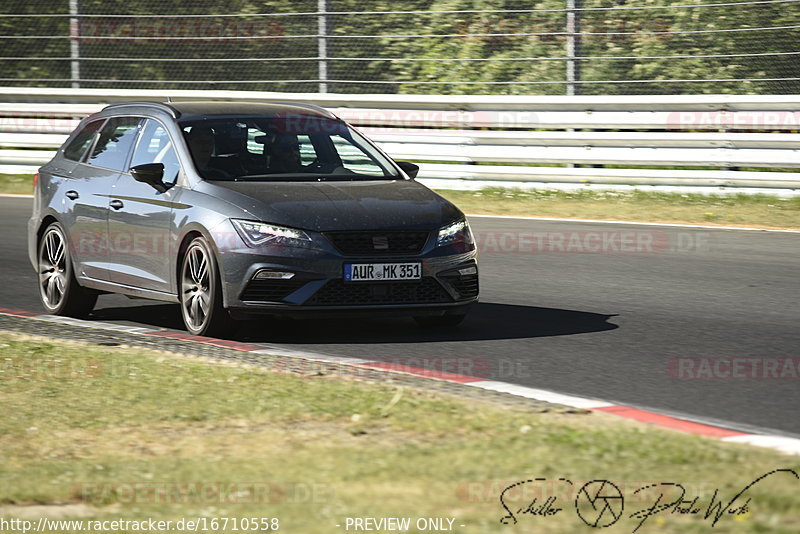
(59, 292)
(440, 321)
(201, 293)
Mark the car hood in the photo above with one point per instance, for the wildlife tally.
(345, 205)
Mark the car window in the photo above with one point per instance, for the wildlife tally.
(155, 146)
(253, 146)
(308, 153)
(354, 158)
(77, 147)
(114, 144)
(283, 147)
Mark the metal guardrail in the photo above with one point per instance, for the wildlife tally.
(454, 138)
(437, 102)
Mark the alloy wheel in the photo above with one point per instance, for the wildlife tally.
(196, 287)
(53, 268)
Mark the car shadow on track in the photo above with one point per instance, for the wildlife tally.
(157, 315)
(486, 321)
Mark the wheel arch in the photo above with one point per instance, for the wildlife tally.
(44, 225)
(189, 235)
(75, 301)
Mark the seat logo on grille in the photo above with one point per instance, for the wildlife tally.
(380, 242)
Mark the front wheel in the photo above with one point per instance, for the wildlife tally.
(59, 292)
(201, 293)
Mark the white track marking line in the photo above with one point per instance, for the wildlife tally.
(95, 324)
(540, 394)
(277, 351)
(781, 443)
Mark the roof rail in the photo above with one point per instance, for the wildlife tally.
(159, 105)
(314, 107)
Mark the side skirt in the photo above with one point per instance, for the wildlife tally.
(137, 292)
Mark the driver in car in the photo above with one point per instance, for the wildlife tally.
(285, 156)
(201, 145)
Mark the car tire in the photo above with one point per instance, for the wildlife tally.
(200, 287)
(59, 291)
(440, 321)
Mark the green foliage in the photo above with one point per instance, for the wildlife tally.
(653, 50)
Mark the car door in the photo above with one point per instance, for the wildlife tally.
(139, 223)
(90, 185)
(73, 202)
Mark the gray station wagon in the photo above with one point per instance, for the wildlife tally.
(237, 211)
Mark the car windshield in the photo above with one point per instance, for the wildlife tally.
(283, 148)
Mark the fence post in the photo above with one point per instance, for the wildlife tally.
(322, 44)
(75, 43)
(573, 46)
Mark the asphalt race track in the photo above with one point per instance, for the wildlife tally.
(676, 320)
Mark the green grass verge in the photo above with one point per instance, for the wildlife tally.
(16, 184)
(108, 433)
(738, 210)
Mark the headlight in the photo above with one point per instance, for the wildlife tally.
(454, 234)
(258, 234)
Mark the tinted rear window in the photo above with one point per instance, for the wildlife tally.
(115, 142)
(77, 147)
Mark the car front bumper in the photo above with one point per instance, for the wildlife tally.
(317, 287)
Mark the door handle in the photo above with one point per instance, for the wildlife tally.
(116, 204)
(72, 195)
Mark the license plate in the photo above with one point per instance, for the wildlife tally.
(358, 272)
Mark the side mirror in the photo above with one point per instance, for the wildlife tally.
(150, 173)
(411, 169)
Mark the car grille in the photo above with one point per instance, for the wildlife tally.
(340, 293)
(465, 286)
(387, 243)
(270, 290)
